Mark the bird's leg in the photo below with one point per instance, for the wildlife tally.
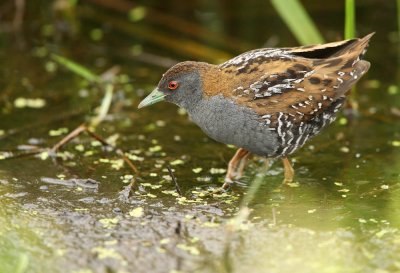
(289, 172)
(232, 166)
(241, 165)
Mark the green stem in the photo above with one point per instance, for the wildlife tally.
(104, 107)
(350, 19)
(349, 32)
(76, 68)
(299, 21)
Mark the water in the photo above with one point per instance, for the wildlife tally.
(341, 215)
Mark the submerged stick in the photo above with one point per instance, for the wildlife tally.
(114, 149)
(23, 154)
(83, 128)
(174, 180)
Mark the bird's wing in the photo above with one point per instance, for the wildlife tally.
(299, 82)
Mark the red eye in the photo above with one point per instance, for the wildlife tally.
(172, 85)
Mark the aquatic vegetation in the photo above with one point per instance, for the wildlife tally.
(350, 19)
(299, 21)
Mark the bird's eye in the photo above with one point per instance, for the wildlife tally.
(172, 85)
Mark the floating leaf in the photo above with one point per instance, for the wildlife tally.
(211, 224)
(135, 157)
(137, 212)
(343, 121)
(177, 162)
(44, 155)
(165, 241)
(380, 234)
(29, 103)
(344, 149)
(396, 143)
(154, 149)
(80, 147)
(197, 170)
(190, 249)
(393, 89)
(107, 253)
(293, 184)
(58, 132)
(109, 222)
(117, 164)
(151, 195)
(217, 170)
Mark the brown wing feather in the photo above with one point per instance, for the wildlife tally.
(273, 81)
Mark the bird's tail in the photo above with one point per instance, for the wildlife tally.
(356, 48)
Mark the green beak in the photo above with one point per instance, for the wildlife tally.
(155, 96)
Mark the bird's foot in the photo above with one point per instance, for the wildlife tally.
(288, 177)
(220, 190)
(228, 183)
(225, 187)
(287, 181)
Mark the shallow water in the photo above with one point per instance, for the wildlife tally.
(340, 215)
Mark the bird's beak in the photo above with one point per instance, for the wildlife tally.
(154, 97)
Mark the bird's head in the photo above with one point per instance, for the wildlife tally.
(182, 85)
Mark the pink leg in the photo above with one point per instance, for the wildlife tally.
(289, 172)
(233, 166)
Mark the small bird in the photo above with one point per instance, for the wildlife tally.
(269, 101)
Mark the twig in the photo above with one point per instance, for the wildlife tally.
(116, 150)
(25, 154)
(178, 228)
(83, 128)
(174, 180)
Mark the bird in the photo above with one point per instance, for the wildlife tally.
(267, 102)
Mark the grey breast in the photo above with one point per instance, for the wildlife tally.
(226, 122)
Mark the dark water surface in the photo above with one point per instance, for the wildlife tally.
(342, 214)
